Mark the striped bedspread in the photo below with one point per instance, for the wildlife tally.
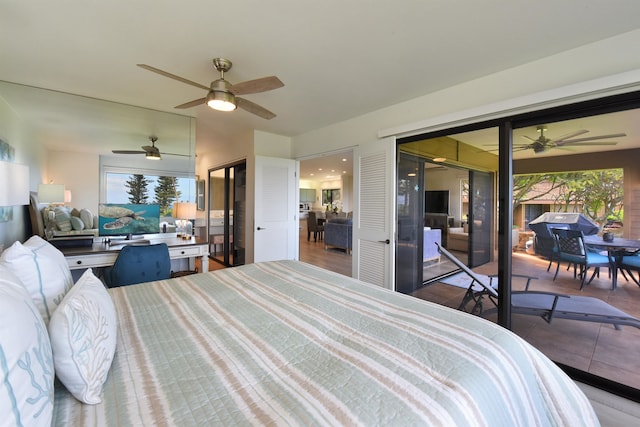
(286, 343)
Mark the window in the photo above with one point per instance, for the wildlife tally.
(329, 196)
(144, 188)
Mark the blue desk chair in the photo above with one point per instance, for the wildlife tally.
(138, 264)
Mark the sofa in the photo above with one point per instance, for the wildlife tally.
(458, 239)
(51, 222)
(337, 233)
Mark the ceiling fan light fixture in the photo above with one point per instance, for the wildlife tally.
(221, 101)
(153, 156)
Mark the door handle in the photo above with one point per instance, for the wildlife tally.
(384, 241)
(260, 228)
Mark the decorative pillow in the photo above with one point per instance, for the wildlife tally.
(83, 338)
(76, 223)
(63, 218)
(26, 388)
(87, 218)
(43, 271)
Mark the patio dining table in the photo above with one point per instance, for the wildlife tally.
(616, 249)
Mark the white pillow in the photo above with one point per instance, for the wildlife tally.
(83, 338)
(87, 218)
(26, 371)
(43, 271)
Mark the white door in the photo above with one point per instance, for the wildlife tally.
(276, 212)
(374, 213)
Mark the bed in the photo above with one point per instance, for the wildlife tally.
(287, 343)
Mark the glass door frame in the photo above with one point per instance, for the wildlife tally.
(231, 229)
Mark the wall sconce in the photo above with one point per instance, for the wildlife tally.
(51, 193)
(16, 194)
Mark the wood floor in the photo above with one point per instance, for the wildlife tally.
(592, 347)
(333, 259)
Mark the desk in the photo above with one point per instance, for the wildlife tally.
(615, 249)
(103, 255)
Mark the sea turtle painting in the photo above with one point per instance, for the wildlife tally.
(121, 215)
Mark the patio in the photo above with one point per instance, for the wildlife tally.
(592, 347)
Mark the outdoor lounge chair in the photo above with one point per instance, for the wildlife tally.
(547, 305)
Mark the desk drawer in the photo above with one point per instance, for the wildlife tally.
(187, 251)
(91, 261)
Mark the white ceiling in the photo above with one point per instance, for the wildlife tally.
(337, 59)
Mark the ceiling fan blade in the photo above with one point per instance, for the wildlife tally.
(172, 76)
(193, 103)
(127, 152)
(593, 138)
(175, 154)
(569, 135)
(586, 144)
(254, 108)
(256, 86)
(528, 138)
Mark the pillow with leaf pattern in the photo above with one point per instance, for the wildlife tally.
(83, 338)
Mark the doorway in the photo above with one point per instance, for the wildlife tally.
(325, 183)
(227, 213)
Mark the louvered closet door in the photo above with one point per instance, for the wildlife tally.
(374, 213)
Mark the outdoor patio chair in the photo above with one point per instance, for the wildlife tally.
(547, 305)
(630, 263)
(572, 249)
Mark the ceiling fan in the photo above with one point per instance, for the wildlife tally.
(222, 95)
(150, 151)
(543, 144)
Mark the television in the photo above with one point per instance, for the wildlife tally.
(125, 219)
(436, 201)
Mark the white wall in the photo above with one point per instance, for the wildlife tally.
(17, 133)
(79, 172)
(551, 78)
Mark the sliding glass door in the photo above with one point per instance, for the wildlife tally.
(581, 159)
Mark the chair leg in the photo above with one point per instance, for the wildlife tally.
(584, 278)
(308, 235)
(557, 269)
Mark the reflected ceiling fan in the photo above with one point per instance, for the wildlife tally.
(222, 95)
(543, 144)
(150, 151)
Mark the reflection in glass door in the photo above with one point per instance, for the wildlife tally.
(481, 217)
(227, 213)
(410, 208)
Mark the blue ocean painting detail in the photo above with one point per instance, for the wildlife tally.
(121, 219)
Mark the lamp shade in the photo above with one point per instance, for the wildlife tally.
(184, 210)
(51, 193)
(16, 193)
